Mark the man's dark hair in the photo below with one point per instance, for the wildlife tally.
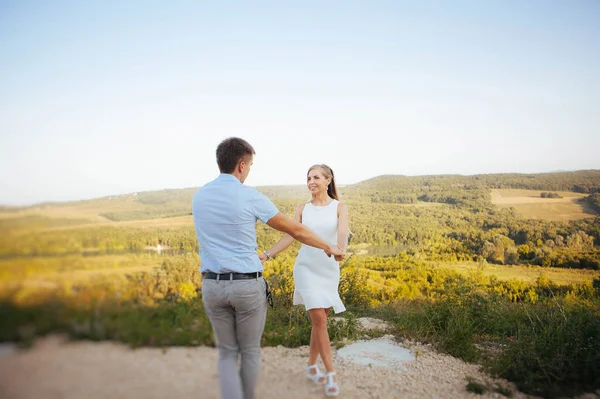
(230, 151)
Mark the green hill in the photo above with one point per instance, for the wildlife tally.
(450, 189)
(440, 218)
(460, 261)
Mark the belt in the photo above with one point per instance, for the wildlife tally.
(232, 276)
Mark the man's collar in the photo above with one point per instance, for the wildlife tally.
(229, 177)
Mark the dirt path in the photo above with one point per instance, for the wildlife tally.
(56, 369)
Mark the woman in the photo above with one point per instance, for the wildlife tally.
(317, 276)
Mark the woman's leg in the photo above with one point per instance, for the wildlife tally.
(313, 355)
(319, 337)
(313, 352)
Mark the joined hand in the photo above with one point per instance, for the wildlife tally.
(336, 251)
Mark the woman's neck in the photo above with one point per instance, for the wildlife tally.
(320, 198)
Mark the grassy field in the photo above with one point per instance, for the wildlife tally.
(73, 269)
(530, 204)
(528, 274)
(49, 220)
(76, 269)
(66, 268)
(89, 210)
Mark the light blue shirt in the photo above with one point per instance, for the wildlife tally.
(225, 214)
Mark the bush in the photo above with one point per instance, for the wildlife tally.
(550, 195)
(542, 336)
(555, 351)
(547, 348)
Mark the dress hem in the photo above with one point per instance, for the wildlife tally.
(324, 302)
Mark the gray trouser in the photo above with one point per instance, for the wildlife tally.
(237, 310)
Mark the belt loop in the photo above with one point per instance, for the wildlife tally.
(218, 276)
(230, 276)
(257, 276)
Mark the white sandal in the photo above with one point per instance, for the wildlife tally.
(331, 388)
(317, 377)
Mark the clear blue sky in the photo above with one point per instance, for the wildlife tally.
(110, 97)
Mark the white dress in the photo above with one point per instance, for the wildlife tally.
(317, 276)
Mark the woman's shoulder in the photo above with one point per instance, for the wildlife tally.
(300, 207)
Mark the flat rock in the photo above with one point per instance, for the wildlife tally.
(381, 352)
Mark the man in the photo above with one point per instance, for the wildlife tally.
(233, 289)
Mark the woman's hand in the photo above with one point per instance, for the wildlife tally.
(334, 250)
(340, 255)
(263, 258)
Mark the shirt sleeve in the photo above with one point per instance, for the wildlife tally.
(263, 208)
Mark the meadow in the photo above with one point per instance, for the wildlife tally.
(432, 255)
(530, 204)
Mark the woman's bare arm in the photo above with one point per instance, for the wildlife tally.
(287, 239)
(342, 230)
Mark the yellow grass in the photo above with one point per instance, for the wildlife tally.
(529, 204)
(50, 271)
(527, 273)
(176, 221)
(162, 222)
(90, 210)
(78, 277)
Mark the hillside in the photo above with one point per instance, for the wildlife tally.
(440, 218)
(469, 263)
(450, 189)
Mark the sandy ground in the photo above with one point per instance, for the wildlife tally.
(55, 368)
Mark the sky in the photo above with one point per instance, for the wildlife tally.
(109, 97)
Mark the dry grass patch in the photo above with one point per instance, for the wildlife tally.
(528, 274)
(531, 205)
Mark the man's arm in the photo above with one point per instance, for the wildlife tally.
(286, 240)
(301, 233)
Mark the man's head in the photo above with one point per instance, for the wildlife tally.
(235, 156)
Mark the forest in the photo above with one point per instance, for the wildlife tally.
(452, 219)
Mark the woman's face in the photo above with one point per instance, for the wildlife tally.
(316, 181)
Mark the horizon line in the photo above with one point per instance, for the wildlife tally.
(50, 202)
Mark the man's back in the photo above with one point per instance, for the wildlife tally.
(225, 214)
(234, 292)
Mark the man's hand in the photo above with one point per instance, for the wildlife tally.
(335, 251)
(341, 257)
(263, 258)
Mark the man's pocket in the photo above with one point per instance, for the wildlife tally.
(247, 288)
(248, 294)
